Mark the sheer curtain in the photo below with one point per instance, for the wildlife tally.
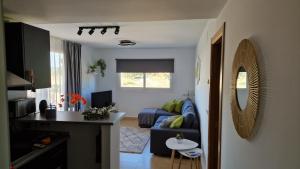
(57, 62)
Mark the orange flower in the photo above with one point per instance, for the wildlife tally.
(74, 99)
(83, 100)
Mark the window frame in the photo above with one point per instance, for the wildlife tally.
(144, 88)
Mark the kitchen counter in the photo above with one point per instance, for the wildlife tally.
(58, 138)
(93, 144)
(73, 117)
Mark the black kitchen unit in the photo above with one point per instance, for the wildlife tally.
(28, 54)
(25, 156)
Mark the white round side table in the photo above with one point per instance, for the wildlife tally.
(174, 145)
(194, 154)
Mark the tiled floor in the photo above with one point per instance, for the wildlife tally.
(146, 160)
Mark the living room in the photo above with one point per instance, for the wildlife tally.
(196, 58)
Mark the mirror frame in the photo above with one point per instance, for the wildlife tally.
(244, 120)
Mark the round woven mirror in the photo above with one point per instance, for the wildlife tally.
(245, 89)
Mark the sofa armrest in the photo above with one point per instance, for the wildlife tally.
(159, 137)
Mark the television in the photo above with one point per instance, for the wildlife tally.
(101, 99)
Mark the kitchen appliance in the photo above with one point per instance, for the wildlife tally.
(21, 107)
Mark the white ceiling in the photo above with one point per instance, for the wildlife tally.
(89, 11)
(155, 34)
(150, 23)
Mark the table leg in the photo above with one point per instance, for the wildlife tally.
(196, 163)
(200, 166)
(191, 163)
(179, 166)
(172, 158)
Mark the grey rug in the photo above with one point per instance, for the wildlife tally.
(133, 140)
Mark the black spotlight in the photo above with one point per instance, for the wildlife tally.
(117, 30)
(103, 31)
(92, 31)
(79, 31)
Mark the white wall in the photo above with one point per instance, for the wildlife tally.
(88, 81)
(202, 89)
(274, 27)
(132, 101)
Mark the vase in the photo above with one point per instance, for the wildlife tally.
(179, 140)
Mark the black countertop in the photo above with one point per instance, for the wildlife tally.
(73, 117)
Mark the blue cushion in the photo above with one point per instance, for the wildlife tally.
(159, 120)
(188, 120)
(187, 107)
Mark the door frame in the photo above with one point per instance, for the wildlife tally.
(215, 118)
(4, 126)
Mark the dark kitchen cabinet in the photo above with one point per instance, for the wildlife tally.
(28, 54)
(53, 159)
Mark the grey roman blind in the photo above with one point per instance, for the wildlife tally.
(145, 65)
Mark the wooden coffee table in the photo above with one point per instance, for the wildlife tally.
(173, 144)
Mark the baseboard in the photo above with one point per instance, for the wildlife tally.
(130, 118)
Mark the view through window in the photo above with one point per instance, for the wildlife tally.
(145, 80)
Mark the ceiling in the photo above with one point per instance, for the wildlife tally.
(89, 11)
(155, 34)
(150, 23)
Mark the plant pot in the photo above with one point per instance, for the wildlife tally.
(179, 140)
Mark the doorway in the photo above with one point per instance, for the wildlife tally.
(215, 99)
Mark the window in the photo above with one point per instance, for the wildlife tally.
(145, 80)
(57, 77)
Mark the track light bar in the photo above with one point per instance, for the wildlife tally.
(93, 28)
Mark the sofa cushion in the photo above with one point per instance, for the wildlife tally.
(177, 123)
(188, 120)
(166, 122)
(169, 106)
(159, 121)
(187, 107)
(178, 106)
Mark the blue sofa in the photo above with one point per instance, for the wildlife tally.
(190, 129)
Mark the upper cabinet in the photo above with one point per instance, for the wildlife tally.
(28, 54)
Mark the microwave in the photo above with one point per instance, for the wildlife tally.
(21, 107)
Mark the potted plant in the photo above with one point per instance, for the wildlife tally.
(99, 66)
(98, 113)
(74, 99)
(179, 138)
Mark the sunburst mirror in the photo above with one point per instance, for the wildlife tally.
(245, 88)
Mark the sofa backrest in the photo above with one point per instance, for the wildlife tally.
(189, 113)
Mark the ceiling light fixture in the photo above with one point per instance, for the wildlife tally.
(93, 28)
(127, 43)
(92, 31)
(103, 31)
